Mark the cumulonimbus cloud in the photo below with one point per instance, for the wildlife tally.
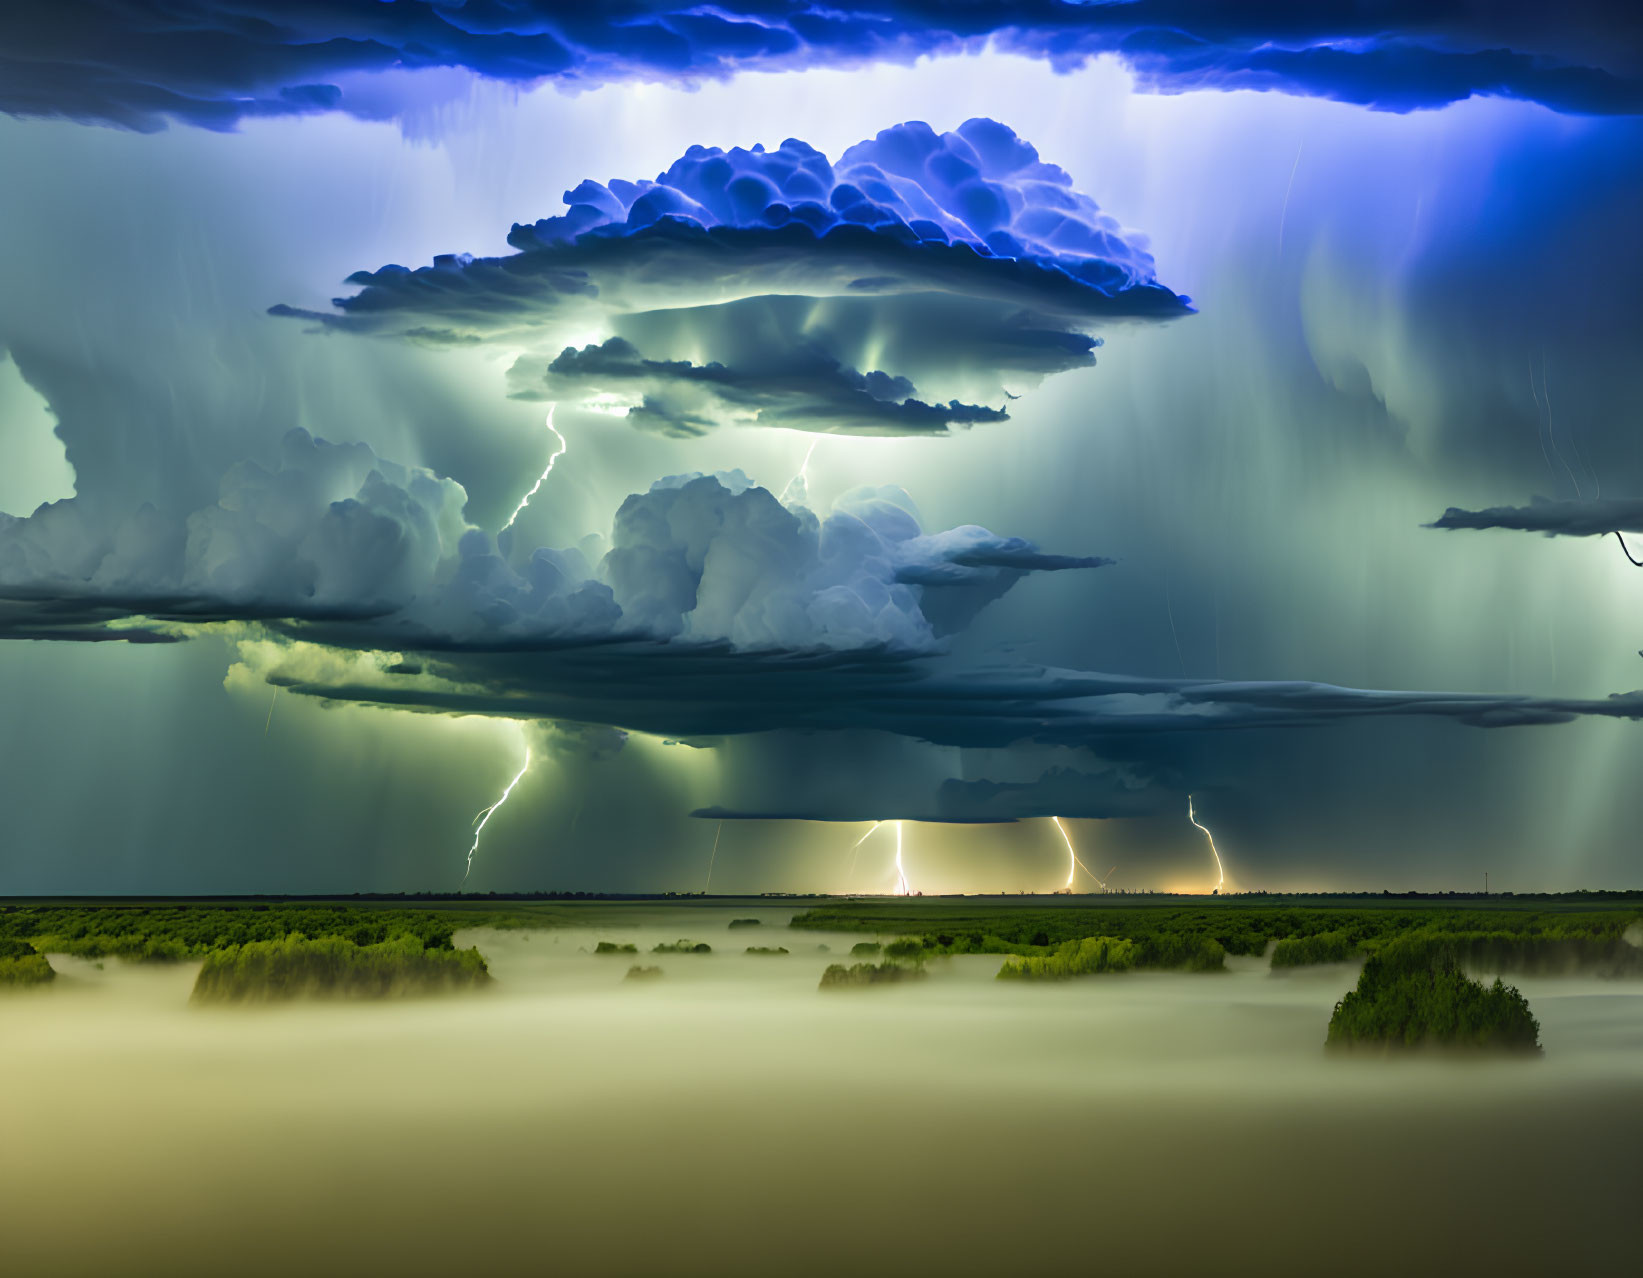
(335, 534)
(973, 212)
(212, 63)
(905, 289)
(717, 610)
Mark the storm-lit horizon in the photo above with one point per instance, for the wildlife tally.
(1031, 437)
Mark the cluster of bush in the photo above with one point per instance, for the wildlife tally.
(640, 973)
(767, 949)
(1413, 1000)
(253, 953)
(1197, 938)
(161, 933)
(838, 976)
(21, 964)
(298, 966)
(682, 947)
(1092, 955)
(612, 947)
(1338, 946)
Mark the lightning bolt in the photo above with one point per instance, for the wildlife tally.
(856, 846)
(1220, 870)
(1073, 863)
(1284, 216)
(537, 486)
(901, 876)
(485, 815)
(797, 489)
(713, 858)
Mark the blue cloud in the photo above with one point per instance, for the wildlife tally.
(974, 213)
(980, 186)
(140, 63)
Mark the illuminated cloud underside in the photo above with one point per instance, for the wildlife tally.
(909, 287)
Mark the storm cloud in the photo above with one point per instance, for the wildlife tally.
(213, 63)
(881, 295)
(973, 212)
(804, 391)
(334, 533)
(1593, 518)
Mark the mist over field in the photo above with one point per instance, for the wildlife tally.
(821, 637)
(959, 1125)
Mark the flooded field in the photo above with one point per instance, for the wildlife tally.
(728, 1118)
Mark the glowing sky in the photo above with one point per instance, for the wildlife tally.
(1064, 544)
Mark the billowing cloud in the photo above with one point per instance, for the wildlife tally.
(901, 291)
(716, 610)
(335, 534)
(139, 63)
(974, 213)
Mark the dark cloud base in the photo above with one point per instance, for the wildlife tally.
(140, 63)
(693, 692)
(1596, 518)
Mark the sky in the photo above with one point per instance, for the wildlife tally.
(724, 431)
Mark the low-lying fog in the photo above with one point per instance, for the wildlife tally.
(729, 1118)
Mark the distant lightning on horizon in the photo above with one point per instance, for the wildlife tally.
(714, 857)
(537, 486)
(1073, 863)
(1220, 869)
(901, 874)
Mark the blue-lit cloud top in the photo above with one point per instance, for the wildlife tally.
(755, 286)
(980, 186)
(140, 63)
(974, 213)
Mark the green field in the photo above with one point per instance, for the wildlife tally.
(1414, 988)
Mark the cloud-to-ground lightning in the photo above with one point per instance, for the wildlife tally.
(713, 858)
(483, 819)
(855, 851)
(1220, 870)
(901, 874)
(1073, 863)
(537, 486)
